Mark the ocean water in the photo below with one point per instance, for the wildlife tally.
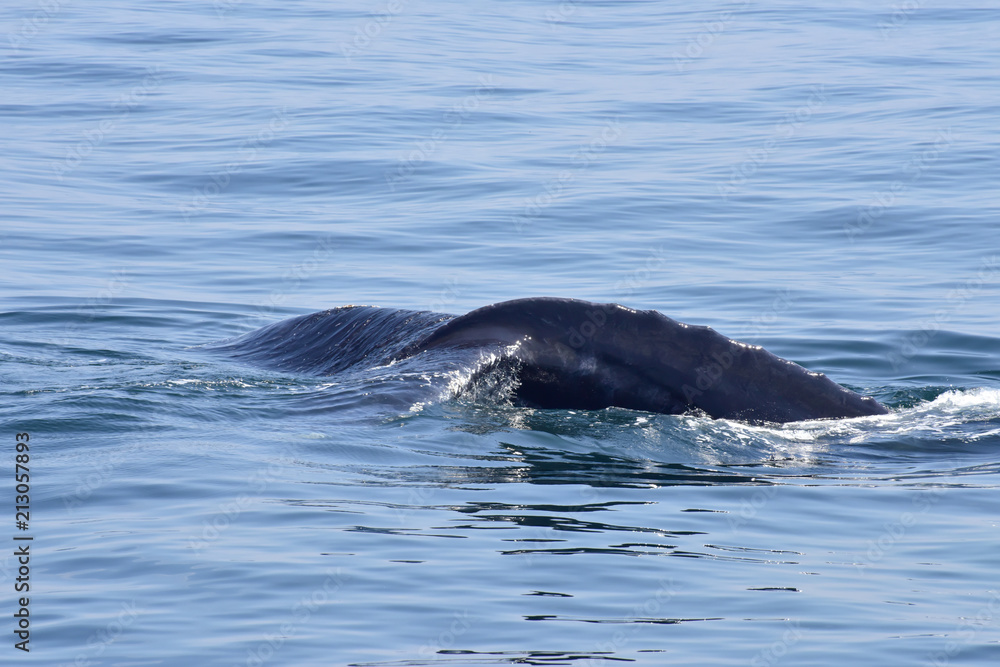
(818, 180)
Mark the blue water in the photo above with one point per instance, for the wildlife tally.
(818, 180)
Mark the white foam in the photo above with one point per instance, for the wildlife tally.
(983, 401)
(969, 414)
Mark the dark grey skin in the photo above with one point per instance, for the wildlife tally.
(578, 354)
(560, 353)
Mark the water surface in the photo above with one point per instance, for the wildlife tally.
(817, 180)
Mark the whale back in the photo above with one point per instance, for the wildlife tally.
(332, 341)
(564, 353)
(580, 354)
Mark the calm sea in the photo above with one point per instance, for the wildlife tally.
(820, 180)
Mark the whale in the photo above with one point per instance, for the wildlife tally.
(559, 353)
